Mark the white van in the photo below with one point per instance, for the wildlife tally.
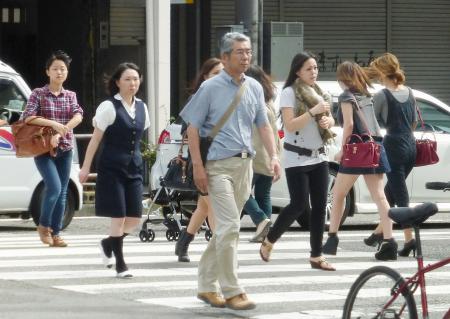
(21, 185)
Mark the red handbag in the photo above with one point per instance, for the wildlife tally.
(426, 149)
(361, 150)
(360, 153)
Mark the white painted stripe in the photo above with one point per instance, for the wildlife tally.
(313, 314)
(246, 282)
(136, 247)
(192, 284)
(263, 298)
(273, 297)
(57, 260)
(184, 271)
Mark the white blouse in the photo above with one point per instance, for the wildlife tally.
(105, 115)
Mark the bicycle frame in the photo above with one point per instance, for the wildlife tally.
(418, 279)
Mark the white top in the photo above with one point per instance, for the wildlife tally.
(307, 137)
(105, 115)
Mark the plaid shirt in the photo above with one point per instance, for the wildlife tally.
(61, 109)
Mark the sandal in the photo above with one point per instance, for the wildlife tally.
(265, 250)
(321, 264)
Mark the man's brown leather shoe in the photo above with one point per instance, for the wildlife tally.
(240, 302)
(45, 235)
(212, 298)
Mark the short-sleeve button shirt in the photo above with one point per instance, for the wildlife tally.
(212, 100)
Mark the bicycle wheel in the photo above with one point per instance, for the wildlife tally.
(372, 290)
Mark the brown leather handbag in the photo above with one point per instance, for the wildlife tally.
(32, 140)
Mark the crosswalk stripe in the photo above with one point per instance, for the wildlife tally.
(279, 297)
(246, 282)
(157, 259)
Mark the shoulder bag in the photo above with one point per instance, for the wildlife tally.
(32, 140)
(361, 150)
(179, 175)
(426, 149)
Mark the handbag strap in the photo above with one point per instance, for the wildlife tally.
(226, 115)
(362, 117)
(422, 124)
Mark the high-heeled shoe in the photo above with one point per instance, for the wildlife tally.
(374, 239)
(265, 250)
(330, 246)
(407, 248)
(388, 250)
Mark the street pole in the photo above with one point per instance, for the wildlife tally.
(247, 15)
(158, 65)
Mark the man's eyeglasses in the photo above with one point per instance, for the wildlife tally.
(241, 52)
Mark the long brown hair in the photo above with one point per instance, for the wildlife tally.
(207, 66)
(354, 77)
(387, 65)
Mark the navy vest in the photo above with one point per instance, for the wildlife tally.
(121, 140)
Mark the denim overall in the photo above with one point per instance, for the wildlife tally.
(400, 146)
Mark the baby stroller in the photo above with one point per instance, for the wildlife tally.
(175, 210)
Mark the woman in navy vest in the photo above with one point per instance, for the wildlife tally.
(119, 124)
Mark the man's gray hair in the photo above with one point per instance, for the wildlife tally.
(226, 45)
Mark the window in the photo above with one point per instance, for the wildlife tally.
(12, 15)
(10, 96)
(434, 117)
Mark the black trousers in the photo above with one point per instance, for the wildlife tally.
(305, 184)
(395, 190)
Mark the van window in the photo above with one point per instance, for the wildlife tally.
(10, 96)
(434, 117)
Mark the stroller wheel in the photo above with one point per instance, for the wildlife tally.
(208, 234)
(170, 235)
(151, 235)
(177, 235)
(144, 235)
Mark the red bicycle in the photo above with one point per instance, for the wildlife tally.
(381, 292)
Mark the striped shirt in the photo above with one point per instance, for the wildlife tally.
(61, 109)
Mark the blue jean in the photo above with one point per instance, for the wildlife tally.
(55, 172)
(260, 206)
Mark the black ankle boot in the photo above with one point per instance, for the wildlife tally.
(388, 250)
(330, 247)
(182, 246)
(374, 240)
(407, 248)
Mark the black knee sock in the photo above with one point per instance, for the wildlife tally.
(106, 245)
(117, 248)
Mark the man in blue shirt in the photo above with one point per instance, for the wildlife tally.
(228, 170)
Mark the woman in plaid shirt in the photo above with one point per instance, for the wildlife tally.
(59, 109)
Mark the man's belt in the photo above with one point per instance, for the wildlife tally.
(304, 151)
(242, 155)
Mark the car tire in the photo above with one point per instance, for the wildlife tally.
(36, 203)
(303, 220)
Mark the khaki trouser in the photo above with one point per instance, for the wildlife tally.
(229, 185)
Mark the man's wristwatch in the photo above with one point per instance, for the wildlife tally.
(275, 157)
